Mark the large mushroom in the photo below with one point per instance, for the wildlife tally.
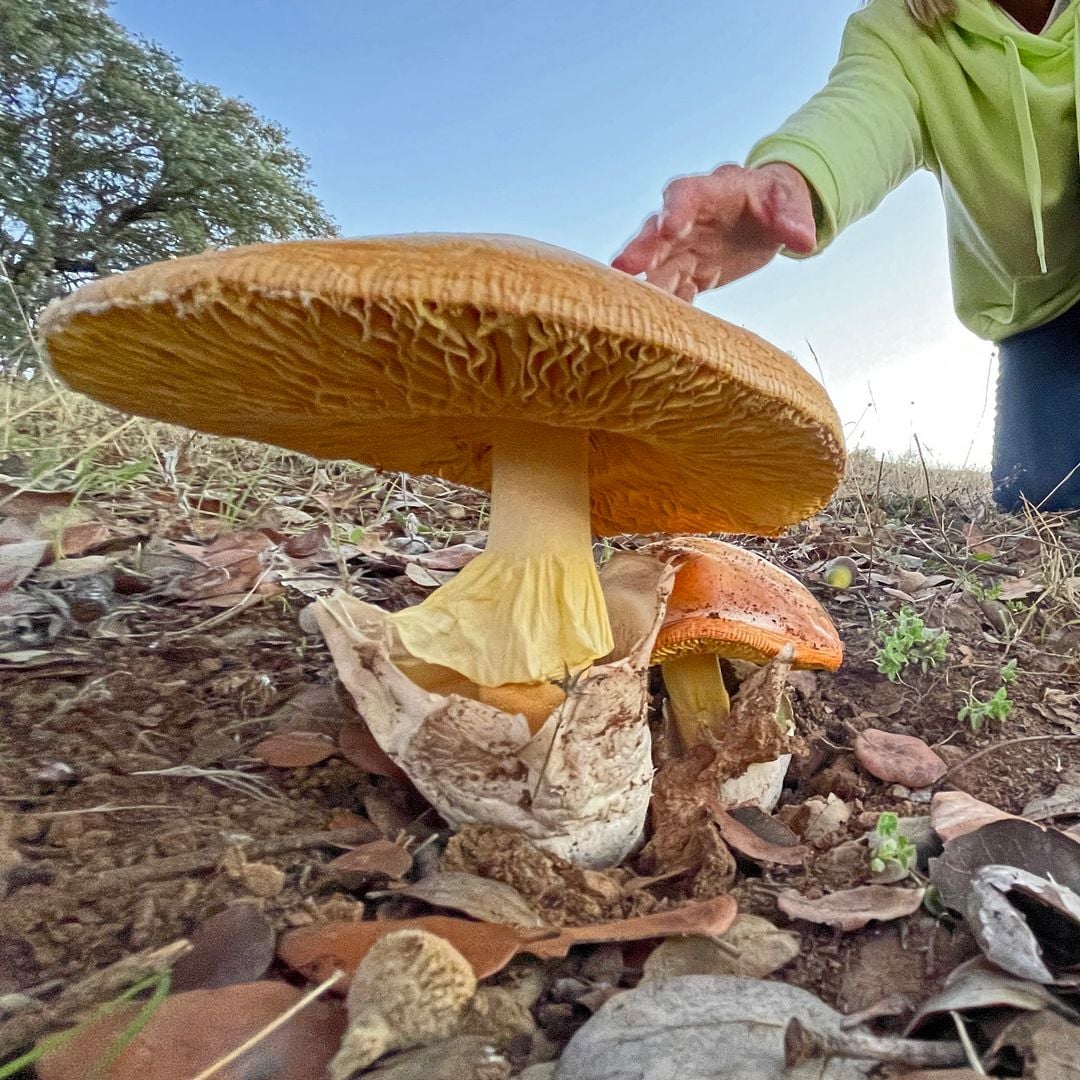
(586, 401)
(731, 604)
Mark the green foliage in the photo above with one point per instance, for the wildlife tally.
(110, 158)
(904, 640)
(982, 592)
(998, 706)
(889, 847)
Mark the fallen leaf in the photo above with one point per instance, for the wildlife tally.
(1019, 589)
(346, 819)
(700, 1027)
(479, 897)
(377, 859)
(712, 917)
(977, 986)
(851, 909)
(79, 539)
(427, 579)
(1027, 925)
(1045, 1043)
(976, 542)
(21, 502)
(954, 813)
(898, 759)
(72, 569)
(234, 946)
(752, 947)
(294, 749)
(747, 842)
(358, 746)
(1064, 802)
(1045, 852)
(316, 951)
(190, 1032)
(18, 561)
(449, 558)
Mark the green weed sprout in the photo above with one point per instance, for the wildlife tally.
(889, 847)
(997, 707)
(908, 640)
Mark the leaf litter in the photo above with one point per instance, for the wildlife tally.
(190, 606)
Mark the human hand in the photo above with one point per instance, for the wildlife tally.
(717, 227)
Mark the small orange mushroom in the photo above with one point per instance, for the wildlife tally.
(733, 604)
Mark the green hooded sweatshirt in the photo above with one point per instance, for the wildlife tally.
(987, 107)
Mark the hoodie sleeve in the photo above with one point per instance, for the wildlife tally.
(856, 139)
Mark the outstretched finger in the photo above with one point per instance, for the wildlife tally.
(681, 206)
(642, 252)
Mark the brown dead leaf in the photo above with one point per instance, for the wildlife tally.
(752, 947)
(1046, 1043)
(79, 539)
(898, 759)
(427, 579)
(347, 819)
(711, 917)
(954, 813)
(975, 986)
(480, 897)
(377, 859)
(976, 542)
(1026, 924)
(1019, 589)
(358, 746)
(851, 909)
(20, 502)
(19, 560)
(315, 951)
(449, 558)
(747, 842)
(294, 749)
(1045, 852)
(234, 946)
(189, 1032)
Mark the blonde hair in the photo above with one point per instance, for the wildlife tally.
(931, 12)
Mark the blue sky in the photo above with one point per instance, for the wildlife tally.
(562, 120)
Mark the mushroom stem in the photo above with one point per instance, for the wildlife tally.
(530, 609)
(698, 701)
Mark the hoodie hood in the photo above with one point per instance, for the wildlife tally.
(1024, 51)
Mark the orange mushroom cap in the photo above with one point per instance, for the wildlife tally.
(735, 604)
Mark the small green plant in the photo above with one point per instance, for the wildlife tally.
(998, 706)
(982, 592)
(889, 847)
(905, 640)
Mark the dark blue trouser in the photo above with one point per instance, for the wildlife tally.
(1037, 436)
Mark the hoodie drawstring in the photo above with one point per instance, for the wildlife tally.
(1029, 149)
